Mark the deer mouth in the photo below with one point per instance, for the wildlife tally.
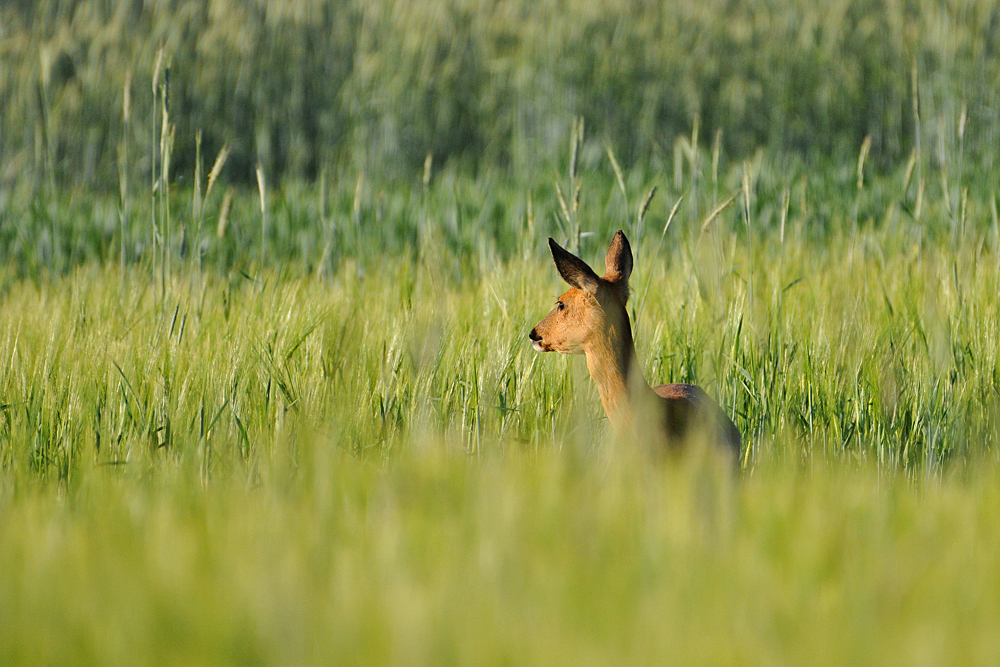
(537, 341)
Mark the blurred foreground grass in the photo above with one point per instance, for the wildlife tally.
(518, 558)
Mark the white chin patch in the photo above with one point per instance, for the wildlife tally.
(538, 346)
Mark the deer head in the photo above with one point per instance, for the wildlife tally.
(592, 311)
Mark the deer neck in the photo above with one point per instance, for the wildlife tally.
(612, 365)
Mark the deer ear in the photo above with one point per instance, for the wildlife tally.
(573, 269)
(618, 261)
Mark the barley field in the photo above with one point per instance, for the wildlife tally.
(267, 272)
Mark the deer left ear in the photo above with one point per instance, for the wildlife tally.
(618, 261)
(573, 269)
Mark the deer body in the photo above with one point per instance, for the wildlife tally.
(590, 318)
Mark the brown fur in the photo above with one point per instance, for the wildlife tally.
(590, 318)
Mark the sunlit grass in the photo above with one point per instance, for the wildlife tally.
(877, 347)
(514, 558)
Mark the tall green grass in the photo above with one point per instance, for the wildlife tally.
(876, 344)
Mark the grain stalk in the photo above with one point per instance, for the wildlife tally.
(326, 224)
(915, 86)
(620, 180)
(44, 132)
(717, 211)
(227, 203)
(123, 211)
(196, 200)
(746, 220)
(213, 176)
(716, 153)
(996, 228)
(962, 124)
(692, 155)
(640, 218)
(423, 230)
(166, 148)
(572, 213)
(860, 186)
(261, 190)
(785, 197)
(154, 231)
(942, 160)
(649, 277)
(201, 202)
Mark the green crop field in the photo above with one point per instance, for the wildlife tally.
(267, 271)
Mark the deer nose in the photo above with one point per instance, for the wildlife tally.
(534, 337)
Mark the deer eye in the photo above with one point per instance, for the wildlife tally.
(560, 305)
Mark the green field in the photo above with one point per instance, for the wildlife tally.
(266, 393)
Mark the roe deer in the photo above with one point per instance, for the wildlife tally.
(590, 318)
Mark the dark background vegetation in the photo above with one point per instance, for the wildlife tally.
(301, 85)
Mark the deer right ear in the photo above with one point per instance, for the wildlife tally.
(573, 269)
(618, 261)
